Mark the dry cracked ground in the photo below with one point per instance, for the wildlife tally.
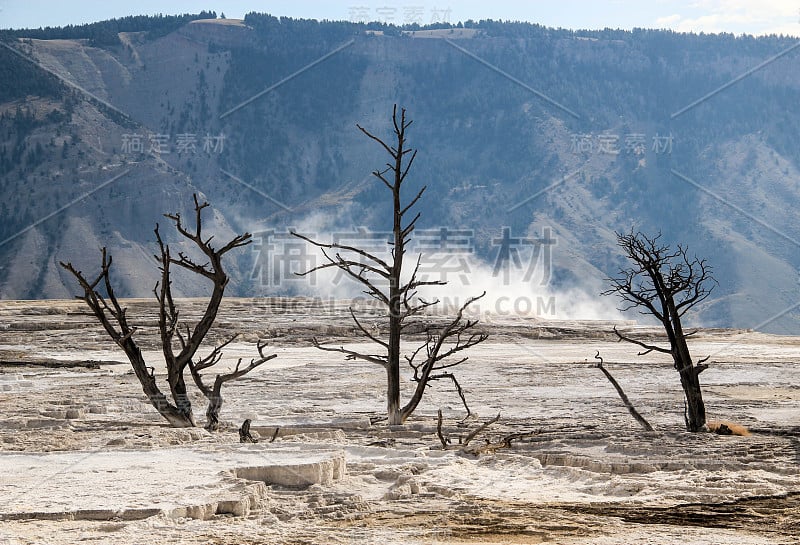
(86, 459)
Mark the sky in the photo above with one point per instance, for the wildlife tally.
(756, 17)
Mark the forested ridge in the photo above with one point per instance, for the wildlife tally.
(608, 129)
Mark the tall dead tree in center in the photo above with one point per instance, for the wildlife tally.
(430, 361)
(180, 340)
(666, 283)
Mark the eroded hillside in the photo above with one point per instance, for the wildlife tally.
(550, 134)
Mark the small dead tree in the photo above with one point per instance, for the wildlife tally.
(666, 283)
(179, 340)
(432, 359)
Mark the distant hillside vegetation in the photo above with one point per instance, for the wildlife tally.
(519, 127)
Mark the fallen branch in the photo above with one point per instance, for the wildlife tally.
(488, 446)
(480, 429)
(631, 409)
(504, 442)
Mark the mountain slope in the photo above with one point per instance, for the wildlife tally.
(536, 130)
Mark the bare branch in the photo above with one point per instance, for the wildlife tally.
(366, 333)
(389, 150)
(434, 345)
(363, 253)
(460, 391)
(479, 430)
(631, 409)
(649, 347)
(351, 354)
(415, 199)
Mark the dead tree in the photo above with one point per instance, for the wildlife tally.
(180, 341)
(382, 280)
(631, 409)
(666, 283)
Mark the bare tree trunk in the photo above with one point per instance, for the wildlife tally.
(246, 437)
(696, 411)
(690, 379)
(395, 288)
(690, 382)
(393, 362)
(393, 395)
(183, 404)
(158, 400)
(214, 406)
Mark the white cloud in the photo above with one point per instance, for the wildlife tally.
(668, 21)
(756, 17)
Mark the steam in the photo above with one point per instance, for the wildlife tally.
(518, 287)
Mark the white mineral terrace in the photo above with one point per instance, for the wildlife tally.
(86, 459)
